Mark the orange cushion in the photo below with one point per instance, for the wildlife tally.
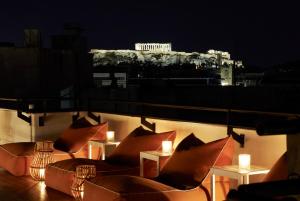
(81, 123)
(187, 167)
(60, 175)
(279, 171)
(128, 151)
(189, 142)
(78, 134)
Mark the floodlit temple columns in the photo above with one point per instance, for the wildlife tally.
(163, 47)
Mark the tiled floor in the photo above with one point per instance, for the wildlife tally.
(26, 189)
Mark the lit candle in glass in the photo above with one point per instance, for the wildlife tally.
(244, 161)
(42, 173)
(81, 195)
(110, 136)
(167, 146)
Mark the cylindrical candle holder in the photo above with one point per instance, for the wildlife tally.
(83, 172)
(42, 157)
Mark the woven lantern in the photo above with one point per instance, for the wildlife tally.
(83, 172)
(42, 157)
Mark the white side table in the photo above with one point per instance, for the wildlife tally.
(106, 147)
(233, 172)
(152, 155)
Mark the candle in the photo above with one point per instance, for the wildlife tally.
(42, 173)
(81, 195)
(167, 146)
(244, 161)
(110, 136)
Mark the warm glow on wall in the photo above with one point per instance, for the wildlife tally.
(110, 136)
(244, 161)
(167, 146)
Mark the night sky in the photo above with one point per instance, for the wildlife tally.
(257, 33)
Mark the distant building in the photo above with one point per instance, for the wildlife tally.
(249, 79)
(226, 75)
(223, 58)
(105, 79)
(152, 61)
(161, 47)
(32, 38)
(224, 55)
(32, 70)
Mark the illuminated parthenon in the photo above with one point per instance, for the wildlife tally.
(164, 47)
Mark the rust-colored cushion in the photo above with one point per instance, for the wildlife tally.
(60, 175)
(279, 171)
(78, 134)
(130, 188)
(128, 151)
(188, 143)
(81, 123)
(188, 167)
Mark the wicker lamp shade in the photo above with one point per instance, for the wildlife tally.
(42, 157)
(83, 172)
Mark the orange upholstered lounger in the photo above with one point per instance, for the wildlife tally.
(16, 157)
(123, 160)
(184, 177)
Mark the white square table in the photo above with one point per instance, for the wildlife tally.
(234, 172)
(106, 146)
(154, 156)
